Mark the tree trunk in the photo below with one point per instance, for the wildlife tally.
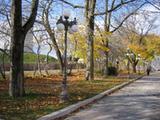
(37, 65)
(16, 79)
(47, 59)
(106, 61)
(90, 55)
(90, 8)
(35, 69)
(134, 68)
(2, 73)
(3, 64)
(39, 62)
(2, 67)
(16, 86)
(107, 29)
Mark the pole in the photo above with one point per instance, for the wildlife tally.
(64, 93)
(128, 64)
(139, 69)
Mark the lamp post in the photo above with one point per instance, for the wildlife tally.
(138, 59)
(128, 64)
(68, 26)
(133, 59)
(117, 63)
(128, 54)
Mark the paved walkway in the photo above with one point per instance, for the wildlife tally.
(138, 101)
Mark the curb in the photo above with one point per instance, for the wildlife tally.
(63, 112)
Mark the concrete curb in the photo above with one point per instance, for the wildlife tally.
(74, 107)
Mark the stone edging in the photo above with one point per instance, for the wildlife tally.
(74, 107)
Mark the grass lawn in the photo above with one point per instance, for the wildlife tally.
(29, 58)
(42, 95)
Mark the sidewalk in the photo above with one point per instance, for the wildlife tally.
(138, 101)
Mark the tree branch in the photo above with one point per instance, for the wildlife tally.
(72, 5)
(32, 17)
(115, 7)
(128, 17)
(153, 5)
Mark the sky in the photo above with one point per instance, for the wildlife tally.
(146, 19)
(155, 15)
(79, 14)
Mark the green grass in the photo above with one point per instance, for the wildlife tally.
(29, 58)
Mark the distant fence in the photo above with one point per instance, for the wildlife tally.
(50, 66)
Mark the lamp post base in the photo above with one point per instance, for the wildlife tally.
(128, 76)
(64, 96)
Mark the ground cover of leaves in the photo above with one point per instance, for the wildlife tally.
(42, 95)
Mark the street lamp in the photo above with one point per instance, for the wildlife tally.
(68, 26)
(117, 63)
(128, 54)
(133, 58)
(138, 58)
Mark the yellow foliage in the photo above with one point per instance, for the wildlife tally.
(79, 43)
(149, 48)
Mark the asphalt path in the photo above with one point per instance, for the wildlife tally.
(137, 101)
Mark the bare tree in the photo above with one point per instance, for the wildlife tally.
(38, 61)
(46, 7)
(18, 34)
(47, 58)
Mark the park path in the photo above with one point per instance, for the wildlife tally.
(137, 101)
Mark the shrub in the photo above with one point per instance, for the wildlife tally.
(112, 71)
